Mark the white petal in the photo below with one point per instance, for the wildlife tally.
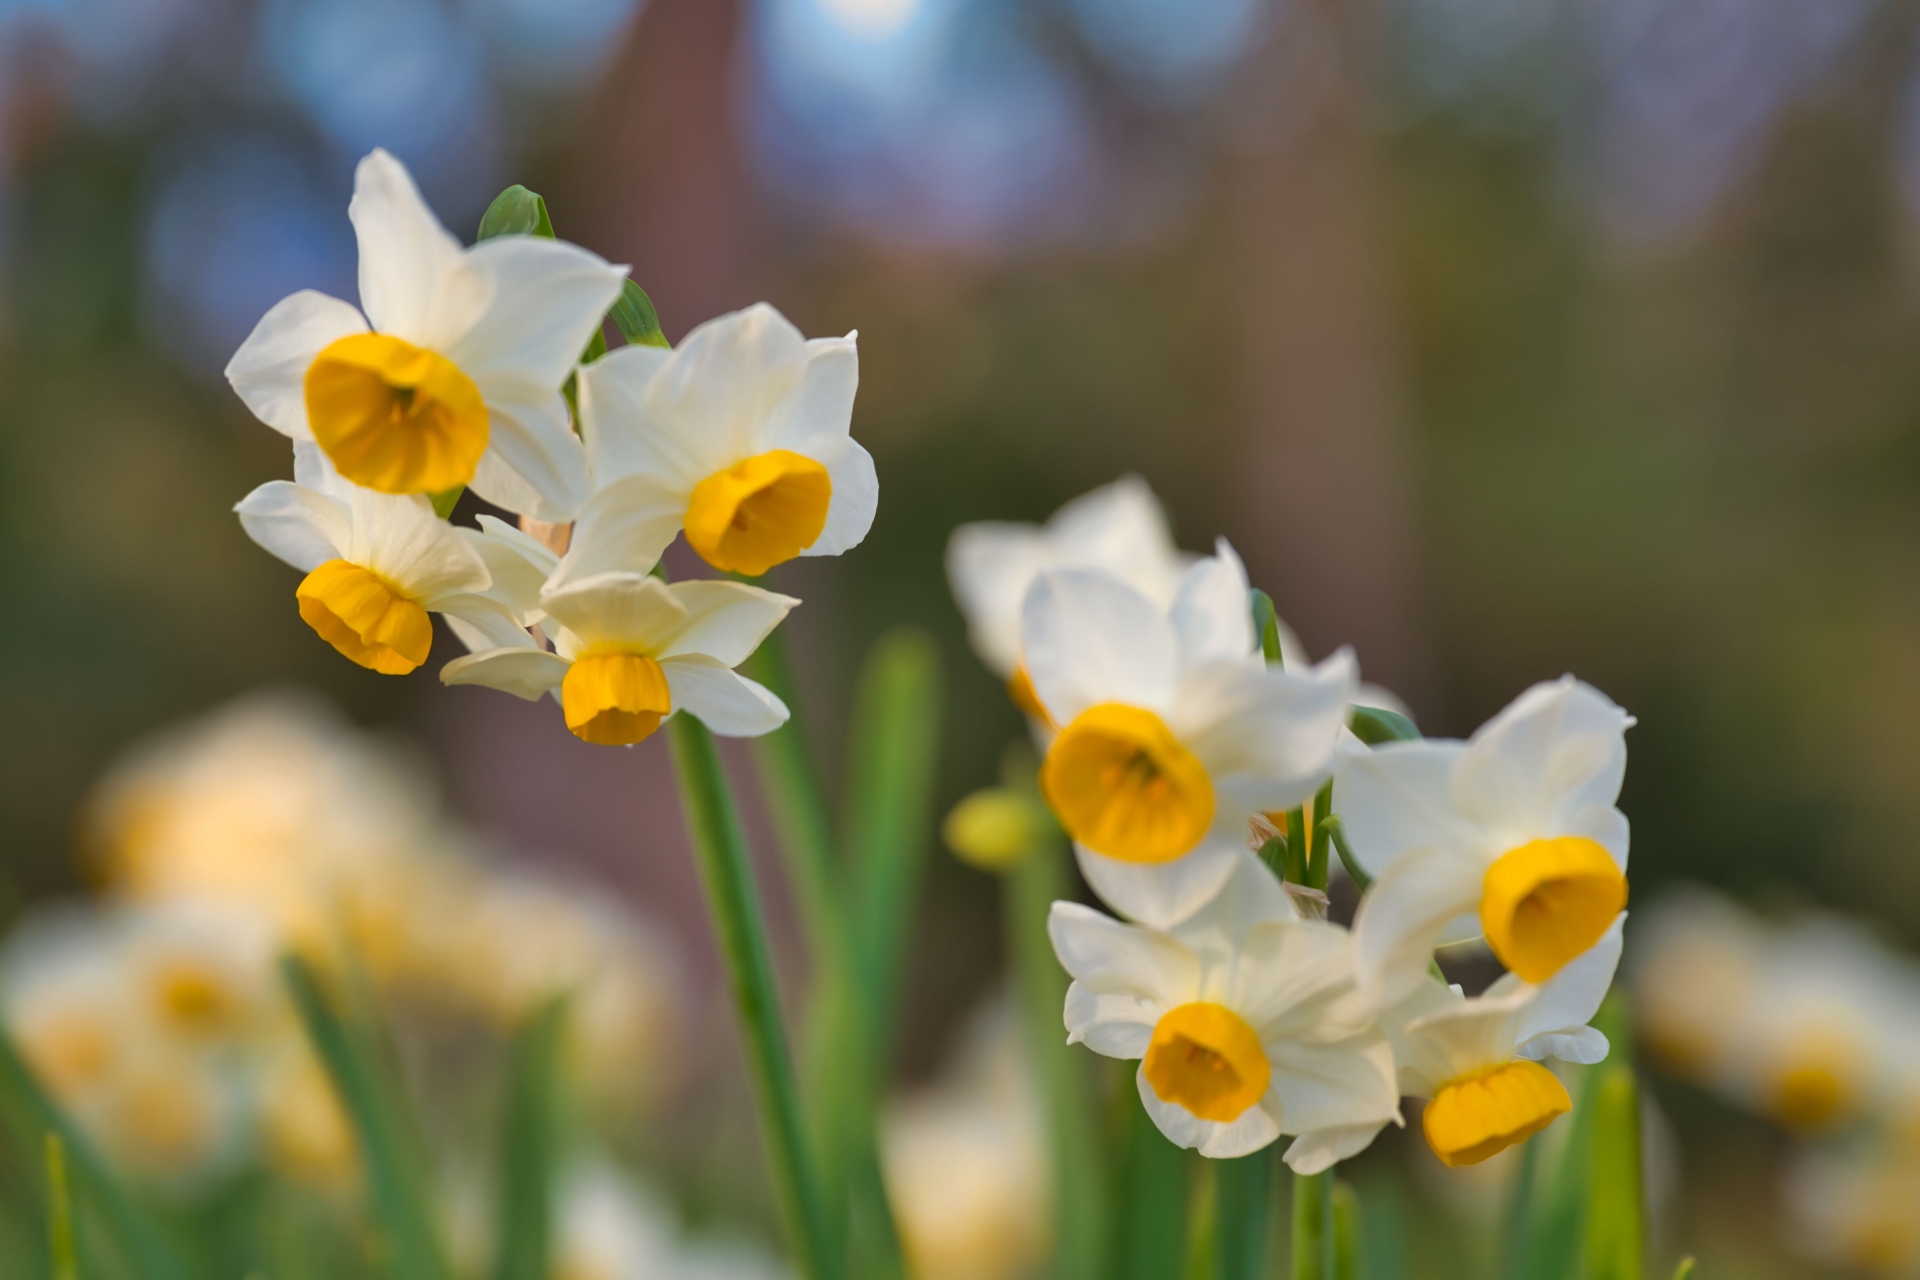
(484, 619)
(1403, 915)
(399, 537)
(1569, 999)
(1163, 894)
(1318, 1150)
(1581, 1045)
(525, 673)
(1286, 971)
(821, 402)
(1109, 957)
(990, 566)
(1212, 611)
(1270, 726)
(722, 699)
(546, 299)
(534, 464)
(1324, 1086)
(1251, 897)
(1253, 1129)
(1460, 1038)
(717, 395)
(627, 609)
(725, 621)
(620, 441)
(856, 492)
(1398, 798)
(269, 370)
(623, 528)
(518, 563)
(303, 528)
(414, 280)
(1090, 638)
(1558, 749)
(1117, 1024)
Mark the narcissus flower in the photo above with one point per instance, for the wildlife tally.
(1517, 825)
(1245, 1017)
(1478, 1060)
(739, 436)
(1174, 733)
(453, 374)
(991, 565)
(377, 564)
(630, 650)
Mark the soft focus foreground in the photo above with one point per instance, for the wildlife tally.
(1502, 340)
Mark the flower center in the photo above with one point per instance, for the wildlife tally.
(395, 417)
(1817, 1085)
(614, 699)
(365, 617)
(1207, 1059)
(194, 1000)
(1483, 1114)
(1548, 901)
(1124, 786)
(759, 513)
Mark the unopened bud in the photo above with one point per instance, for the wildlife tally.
(993, 829)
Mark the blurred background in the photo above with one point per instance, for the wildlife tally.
(1502, 338)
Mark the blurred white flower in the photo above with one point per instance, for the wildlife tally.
(609, 1227)
(457, 379)
(1246, 1018)
(1517, 825)
(966, 1160)
(1853, 1207)
(1174, 732)
(741, 436)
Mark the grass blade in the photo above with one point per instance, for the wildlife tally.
(1349, 1234)
(66, 1265)
(1312, 1218)
(1615, 1237)
(1242, 1203)
(395, 1172)
(530, 1146)
(733, 901)
(139, 1238)
(1153, 1204)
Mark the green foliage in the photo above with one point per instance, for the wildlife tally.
(1375, 725)
(1266, 625)
(634, 316)
(516, 212)
(1615, 1236)
(1243, 1205)
(66, 1265)
(1314, 1244)
(1153, 1200)
(391, 1160)
(1349, 1234)
(530, 1139)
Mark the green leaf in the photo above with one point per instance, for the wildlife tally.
(1349, 1234)
(893, 753)
(733, 902)
(30, 1111)
(1375, 725)
(1313, 1240)
(1153, 1202)
(634, 316)
(1266, 625)
(445, 501)
(395, 1171)
(1615, 1236)
(1684, 1271)
(1337, 836)
(66, 1265)
(516, 212)
(1243, 1190)
(530, 1146)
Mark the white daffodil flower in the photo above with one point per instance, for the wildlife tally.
(1517, 824)
(1174, 733)
(1118, 527)
(1477, 1060)
(739, 436)
(453, 374)
(376, 563)
(630, 650)
(1246, 1019)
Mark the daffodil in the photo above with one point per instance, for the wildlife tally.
(376, 563)
(1118, 527)
(1516, 826)
(1246, 1019)
(1477, 1060)
(1173, 733)
(452, 376)
(1851, 1207)
(740, 436)
(630, 650)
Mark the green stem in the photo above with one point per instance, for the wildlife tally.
(1313, 1240)
(1518, 1246)
(720, 848)
(1153, 1200)
(1348, 1234)
(66, 1265)
(1338, 835)
(1080, 1188)
(1244, 1188)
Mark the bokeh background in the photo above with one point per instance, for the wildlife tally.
(1502, 337)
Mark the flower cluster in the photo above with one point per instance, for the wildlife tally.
(484, 368)
(1190, 758)
(1815, 1023)
(156, 1016)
